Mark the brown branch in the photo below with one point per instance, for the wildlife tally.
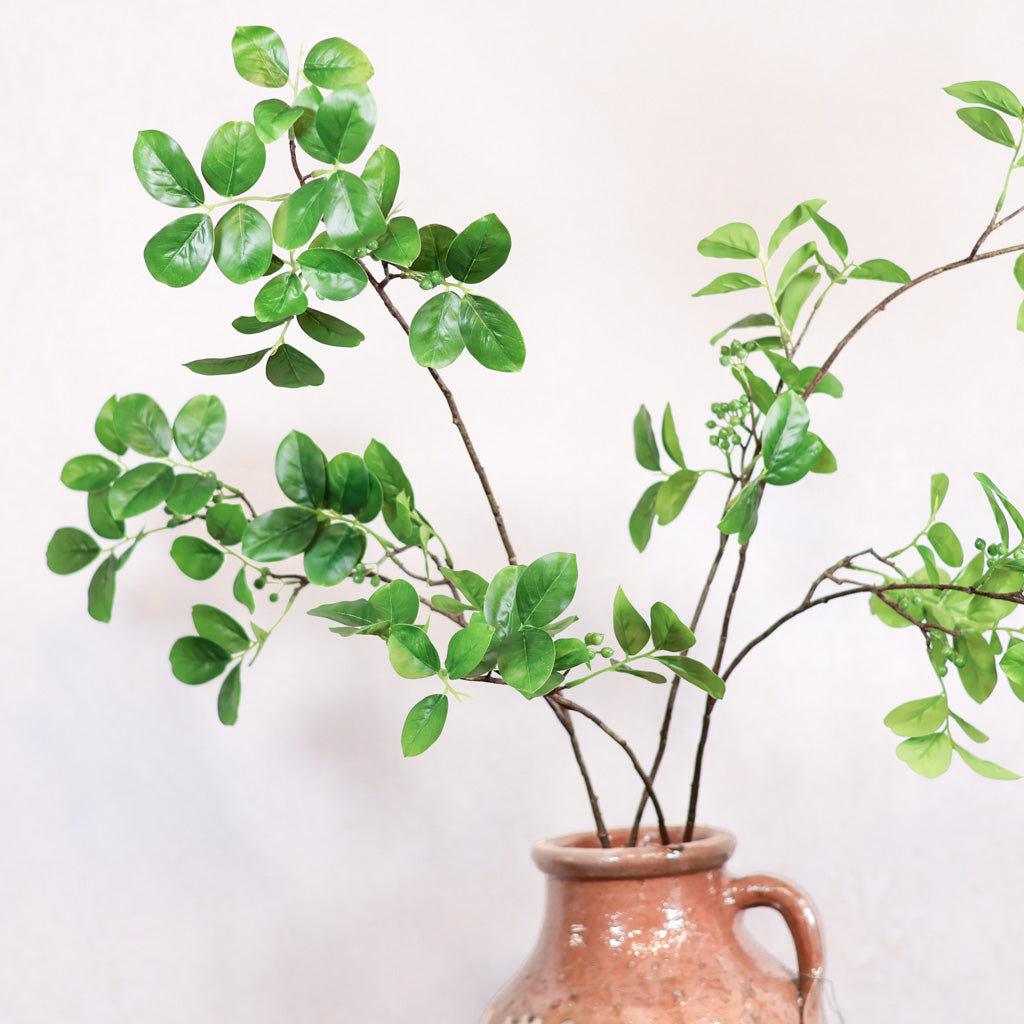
(709, 703)
(378, 287)
(564, 702)
(974, 257)
(563, 716)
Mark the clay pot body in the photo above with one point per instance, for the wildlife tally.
(653, 935)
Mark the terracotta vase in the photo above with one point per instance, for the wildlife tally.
(654, 934)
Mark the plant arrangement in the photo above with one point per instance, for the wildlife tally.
(391, 572)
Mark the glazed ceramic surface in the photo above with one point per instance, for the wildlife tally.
(653, 934)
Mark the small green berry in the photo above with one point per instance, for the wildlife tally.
(980, 543)
(593, 639)
(607, 652)
(259, 583)
(426, 284)
(275, 596)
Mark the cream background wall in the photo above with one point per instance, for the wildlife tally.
(157, 866)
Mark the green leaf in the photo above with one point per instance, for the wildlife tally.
(940, 484)
(229, 696)
(988, 124)
(165, 171)
(978, 674)
(297, 218)
(260, 56)
(946, 544)
(800, 214)
(221, 628)
(670, 439)
(1018, 269)
(196, 558)
(140, 489)
(674, 494)
(785, 430)
(546, 588)
(279, 534)
(833, 235)
(141, 424)
(348, 483)
(795, 465)
(289, 368)
(751, 320)
(354, 614)
(696, 673)
(435, 336)
(102, 522)
(226, 522)
(1020, 317)
(382, 174)
(918, 717)
(352, 216)
(234, 158)
(423, 724)
(989, 769)
(880, 270)
(760, 391)
(467, 648)
(668, 631)
(499, 605)
(101, 590)
(975, 734)
(826, 461)
(472, 586)
(570, 652)
(642, 517)
(301, 470)
(526, 659)
(444, 603)
(990, 94)
(332, 274)
(242, 245)
(491, 335)
(645, 445)
(736, 241)
(828, 385)
(396, 602)
(104, 428)
(794, 264)
(70, 550)
(479, 251)
(281, 297)
(273, 118)
(728, 283)
(215, 367)
(329, 330)
(191, 492)
(334, 64)
(388, 470)
(931, 566)
(374, 502)
(194, 660)
(741, 515)
(345, 121)
(435, 241)
(199, 427)
(180, 251)
(1012, 664)
(631, 631)
(241, 592)
(89, 472)
(929, 756)
(651, 677)
(400, 244)
(333, 555)
(796, 293)
(993, 493)
(411, 653)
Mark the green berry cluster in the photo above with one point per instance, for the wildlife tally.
(737, 352)
(432, 280)
(729, 417)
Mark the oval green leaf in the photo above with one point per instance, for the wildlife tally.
(260, 56)
(480, 250)
(301, 469)
(466, 649)
(179, 252)
(526, 659)
(195, 660)
(140, 489)
(297, 218)
(89, 472)
(196, 558)
(234, 158)
(631, 631)
(165, 172)
(435, 335)
(400, 244)
(226, 522)
(345, 121)
(411, 652)
(229, 696)
(101, 590)
(382, 174)
(70, 550)
(333, 555)
(332, 274)
(200, 426)
(242, 245)
(142, 425)
(423, 724)
(218, 366)
(352, 216)
(334, 63)
(281, 297)
(492, 337)
(329, 330)
(279, 534)
(191, 493)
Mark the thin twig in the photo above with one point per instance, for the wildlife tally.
(563, 716)
(564, 702)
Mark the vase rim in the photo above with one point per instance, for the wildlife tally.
(580, 856)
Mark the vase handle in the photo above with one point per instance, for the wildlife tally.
(801, 918)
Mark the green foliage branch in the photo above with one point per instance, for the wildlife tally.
(353, 517)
